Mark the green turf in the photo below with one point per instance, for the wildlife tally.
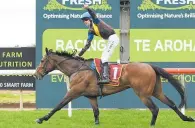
(84, 119)
(15, 97)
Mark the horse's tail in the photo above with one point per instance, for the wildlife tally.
(176, 83)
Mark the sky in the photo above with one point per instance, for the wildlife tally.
(17, 23)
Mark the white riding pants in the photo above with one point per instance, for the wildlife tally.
(113, 41)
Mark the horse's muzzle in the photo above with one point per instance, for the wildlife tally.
(37, 76)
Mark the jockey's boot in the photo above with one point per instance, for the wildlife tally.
(105, 74)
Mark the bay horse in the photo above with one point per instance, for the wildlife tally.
(143, 78)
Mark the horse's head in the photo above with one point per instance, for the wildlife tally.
(46, 65)
(53, 60)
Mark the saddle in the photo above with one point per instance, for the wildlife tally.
(114, 71)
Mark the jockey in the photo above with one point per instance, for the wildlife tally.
(99, 28)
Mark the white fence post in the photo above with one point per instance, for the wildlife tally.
(21, 100)
(69, 104)
(183, 84)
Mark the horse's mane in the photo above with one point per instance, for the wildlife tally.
(67, 54)
(64, 53)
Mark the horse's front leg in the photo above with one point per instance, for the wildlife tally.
(94, 105)
(72, 94)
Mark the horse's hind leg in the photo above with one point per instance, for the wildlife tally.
(94, 105)
(163, 98)
(153, 108)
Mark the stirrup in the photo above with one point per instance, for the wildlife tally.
(100, 90)
(104, 81)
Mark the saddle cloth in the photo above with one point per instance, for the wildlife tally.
(114, 71)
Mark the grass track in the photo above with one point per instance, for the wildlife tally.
(84, 119)
(14, 97)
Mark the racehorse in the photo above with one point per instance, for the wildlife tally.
(143, 78)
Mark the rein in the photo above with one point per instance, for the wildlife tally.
(57, 65)
(65, 59)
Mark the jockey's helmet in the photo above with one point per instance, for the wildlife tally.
(86, 16)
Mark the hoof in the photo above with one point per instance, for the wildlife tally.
(191, 119)
(97, 122)
(38, 121)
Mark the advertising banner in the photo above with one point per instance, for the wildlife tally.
(63, 39)
(162, 14)
(16, 59)
(162, 31)
(162, 45)
(17, 83)
(59, 19)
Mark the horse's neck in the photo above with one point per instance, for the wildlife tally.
(69, 66)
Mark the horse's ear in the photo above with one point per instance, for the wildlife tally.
(50, 50)
(74, 51)
(47, 51)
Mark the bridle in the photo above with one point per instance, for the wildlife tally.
(45, 69)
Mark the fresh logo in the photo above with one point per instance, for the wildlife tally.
(81, 2)
(175, 2)
(76, 5)
(167, 5)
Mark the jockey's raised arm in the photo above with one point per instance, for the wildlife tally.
(99, 28)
